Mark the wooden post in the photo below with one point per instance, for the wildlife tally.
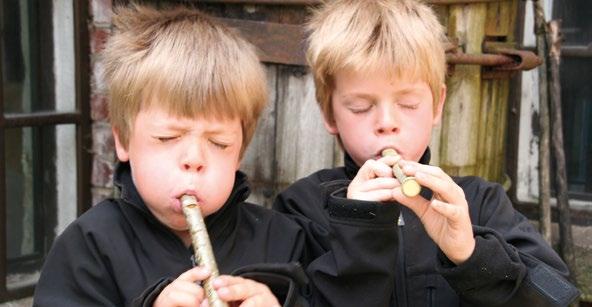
(544, 161)
(565, 235)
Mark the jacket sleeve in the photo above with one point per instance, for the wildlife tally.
(150, 294)
(75, 273)
(347, 263)
(511, 265)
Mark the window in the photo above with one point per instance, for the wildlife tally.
(43, 129)
(576, 95)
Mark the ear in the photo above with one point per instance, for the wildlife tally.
(122, 153)
(330, 125)
(440, 106)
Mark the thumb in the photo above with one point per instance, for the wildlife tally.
(197, 273)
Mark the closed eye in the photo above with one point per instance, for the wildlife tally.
(409, 106)
(219, 144)
(164, 139)
(358, 110)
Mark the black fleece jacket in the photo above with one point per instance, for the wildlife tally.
(119, 254)
(511, 264)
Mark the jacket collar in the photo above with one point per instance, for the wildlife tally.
(219, 224)
(351, 168)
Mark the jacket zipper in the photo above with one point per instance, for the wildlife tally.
(400, 280)
(431, 296)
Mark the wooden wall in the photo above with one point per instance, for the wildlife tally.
(472, 138)
(291, 141)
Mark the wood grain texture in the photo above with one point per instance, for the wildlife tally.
(259, 159)
(461, 114)
(303, 145)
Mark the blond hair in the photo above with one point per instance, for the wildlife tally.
(403, 37)
(182, 61)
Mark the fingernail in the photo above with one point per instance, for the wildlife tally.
(407, 168)
(203, 271)
(223, 291)
(218, 282)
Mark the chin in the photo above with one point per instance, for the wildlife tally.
(179, 226)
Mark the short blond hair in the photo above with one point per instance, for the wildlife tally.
(404, 37)
(183, 61)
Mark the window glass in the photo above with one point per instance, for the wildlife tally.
(27, 72)
(575, 21)
(576, 97)
(30, 199)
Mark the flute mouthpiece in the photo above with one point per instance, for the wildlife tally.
(188, 201)
(389, 152)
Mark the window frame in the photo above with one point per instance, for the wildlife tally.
(80, 117)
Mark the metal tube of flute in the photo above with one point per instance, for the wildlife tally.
(202, 247)
(409, 185)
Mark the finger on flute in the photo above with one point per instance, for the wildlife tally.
(409, 185)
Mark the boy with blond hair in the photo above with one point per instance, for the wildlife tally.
(185, 96)
(379, 70)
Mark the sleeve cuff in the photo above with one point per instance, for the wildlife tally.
(147, 298)
(343, 209)
(491, 263)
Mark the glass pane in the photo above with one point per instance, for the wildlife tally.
(30, 195)
(576, 96)
(27, 69)
(576, 22)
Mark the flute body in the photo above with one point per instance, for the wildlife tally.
(202, 247)
(409, 185)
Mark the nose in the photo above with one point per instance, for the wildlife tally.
(193, 158)
(387, 122)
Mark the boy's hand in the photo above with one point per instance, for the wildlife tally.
(446, 216)
(245, 292)
(375, 180)
(184, 291)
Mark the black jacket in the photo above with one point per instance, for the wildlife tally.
(119, 254)
(511, 264)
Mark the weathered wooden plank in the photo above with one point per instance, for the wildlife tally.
(491, 150)
(435, 144)
(259, 159)
(498, 19)
(461, 114)
(303, 145)
(442, 13)
(492, 129)
(338, 155)
(276, 43)
(316, 2)
(485, 122)
(285, 43)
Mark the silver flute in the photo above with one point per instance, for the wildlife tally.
(202, 248)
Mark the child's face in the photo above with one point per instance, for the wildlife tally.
(171, 156)
(374, 111)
